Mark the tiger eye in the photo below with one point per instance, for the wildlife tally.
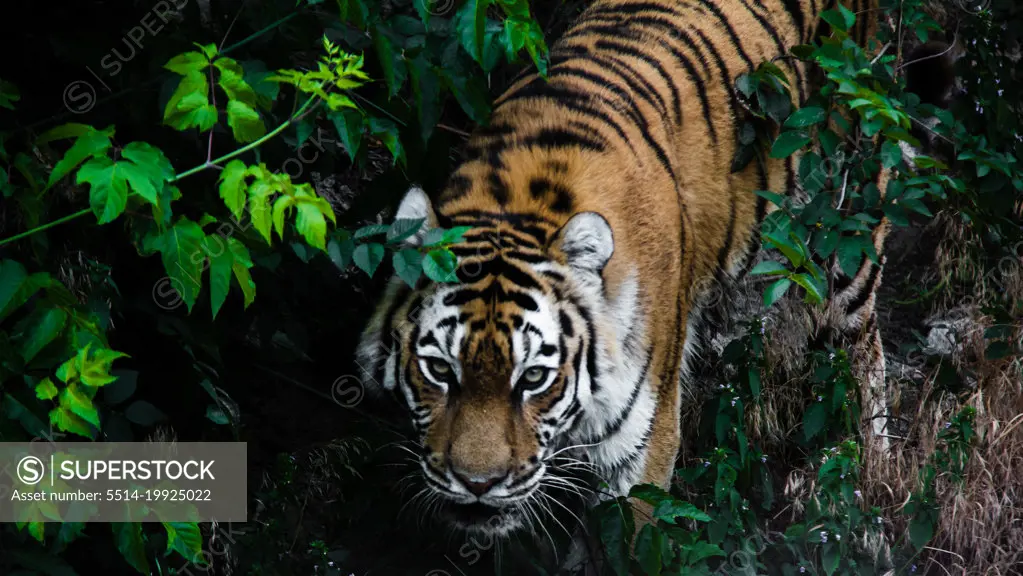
(439, 367)
(535, 375)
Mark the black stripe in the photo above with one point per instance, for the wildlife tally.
(730, 233)
(730, 30)
(854, 306)
(591, 346)
(566, 324)
(619, 421)
(386, 331)
(620, 69)
(795, 10)
(628, 50)
(498, 189)
(583, 137)
(650, 91)
(569, 101)
(778, 42)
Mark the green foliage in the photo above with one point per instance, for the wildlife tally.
(381, 82)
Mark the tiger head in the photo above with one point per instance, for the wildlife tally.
(496, 369)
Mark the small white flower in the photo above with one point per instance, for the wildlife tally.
(838, 537)
(1000, 91)
(858, 494)
(763, 458)
(733, 402)
(831, 356)
(802, 569)
(706, 463)
(820, 398)
(824, 536)
(842, 476)
(948, 425)
(912, 568)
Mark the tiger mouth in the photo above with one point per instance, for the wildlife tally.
(477, 516)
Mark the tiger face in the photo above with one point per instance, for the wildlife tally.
(494, 370)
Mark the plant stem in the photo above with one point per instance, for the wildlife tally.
(46, 226)
(186, 173)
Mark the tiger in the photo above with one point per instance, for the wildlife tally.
(601, 210)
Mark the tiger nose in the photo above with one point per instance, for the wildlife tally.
(480, 485)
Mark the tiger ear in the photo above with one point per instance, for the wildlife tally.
(415, 205)
(586, 241)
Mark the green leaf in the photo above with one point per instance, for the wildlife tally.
(311, 221)
(260, 212)
(189, 106)
(221, 262)
(837, 19)
(439, 265)
(368, 257)
(408, 265)
(371, 230)
(814, 419)
(403, 228)
(349, 125)
(648, 549)
(390, 62)
(775, 291)
(804, 117)
(281, 207)
(216, 415)
(187, 62)
(387, 131)
(891, 154)
(426, 92)
(831, 557)
(143, 413)
(12, 277)
(649, 493)
(64, 131)
(471, 22)
(185, 539)
(150, 160)
(240, 264)
(921, 530)
(67, 421)
(788, 143)
(340, 252)
(128, 536)
(74, 400)
(812, 291)
(91, 143)
(669, 510)
(233, 187)
(849, 250)
(616, 530)
(45, 325)
(45, 389)
(108, 188)
(121, 389)
(770, 268)
(181, 249)
(245, 123)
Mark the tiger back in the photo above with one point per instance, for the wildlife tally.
(602, 208)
